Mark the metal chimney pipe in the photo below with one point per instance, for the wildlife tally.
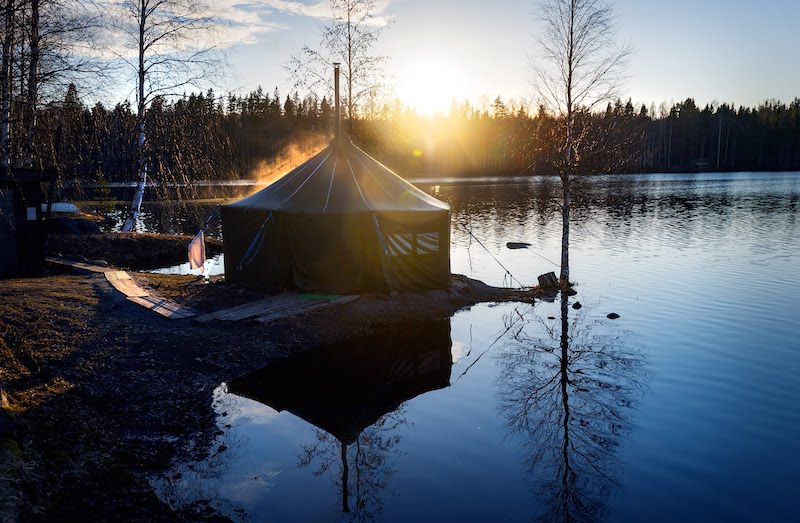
(338, 123)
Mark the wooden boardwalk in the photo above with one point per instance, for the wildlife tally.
(79, 265)
(264, 311)
(163, 307)
(123, 282)
(276, 308)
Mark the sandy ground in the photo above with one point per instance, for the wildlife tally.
(102, 393)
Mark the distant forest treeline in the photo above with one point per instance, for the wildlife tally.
(622, 139)
(198, 137)
(205, 137)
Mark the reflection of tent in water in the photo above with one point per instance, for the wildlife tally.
(340, 223)
(345, 388)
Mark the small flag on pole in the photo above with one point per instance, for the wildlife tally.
(197, 252)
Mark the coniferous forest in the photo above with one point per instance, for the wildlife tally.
(207, 137)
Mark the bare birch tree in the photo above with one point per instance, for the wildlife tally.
(46, 45)
(60, 36)
(169, 46)
(578, 65)
(349, 39)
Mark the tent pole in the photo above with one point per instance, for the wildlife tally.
(338, 124)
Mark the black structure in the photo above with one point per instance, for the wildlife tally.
(340, 223)
(22, 231)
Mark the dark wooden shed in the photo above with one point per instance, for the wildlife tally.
(22, 231)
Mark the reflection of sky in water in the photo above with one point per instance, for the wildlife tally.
(213, 267)
(705, 273)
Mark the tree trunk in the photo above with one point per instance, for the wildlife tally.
(719, 138)
(345, 479)
(669, 148)
(141, 157)
(565, 208)
(5, 86)
(565, 447)
(350, 102)
(568, 153)
(350, 38)
(33, 82)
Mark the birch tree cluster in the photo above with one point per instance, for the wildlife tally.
(46, 46)
(349, 39)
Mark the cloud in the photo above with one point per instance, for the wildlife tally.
(234, 22)
(320, 9)
(240, 22)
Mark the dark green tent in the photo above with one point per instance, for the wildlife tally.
(340, 223)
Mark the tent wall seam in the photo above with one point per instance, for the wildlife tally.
(358, 186)
(330, 186)
(396, 176)
(406, 207)
(286, 179)
(304, 182)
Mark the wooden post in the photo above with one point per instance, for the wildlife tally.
(548, 281)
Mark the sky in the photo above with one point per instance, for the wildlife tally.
(734, 51)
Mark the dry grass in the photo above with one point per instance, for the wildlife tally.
(40, 317)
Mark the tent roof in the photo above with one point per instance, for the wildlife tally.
(341, 180)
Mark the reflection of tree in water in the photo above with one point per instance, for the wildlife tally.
(570, 392)
(354, 393)
(359, 470)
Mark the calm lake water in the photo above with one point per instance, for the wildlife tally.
(683, 409)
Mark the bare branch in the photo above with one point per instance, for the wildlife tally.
(348, 39)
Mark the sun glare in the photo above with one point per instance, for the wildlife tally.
(430, 84)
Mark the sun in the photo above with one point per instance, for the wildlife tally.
(430, 85)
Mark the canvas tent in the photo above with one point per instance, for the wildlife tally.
(340, 223)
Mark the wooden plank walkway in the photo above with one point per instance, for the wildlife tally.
(79, 265)
(275, 308)
(247, 310)
(264, 311)
(123, 282)
(163, 307)
(303, 308)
